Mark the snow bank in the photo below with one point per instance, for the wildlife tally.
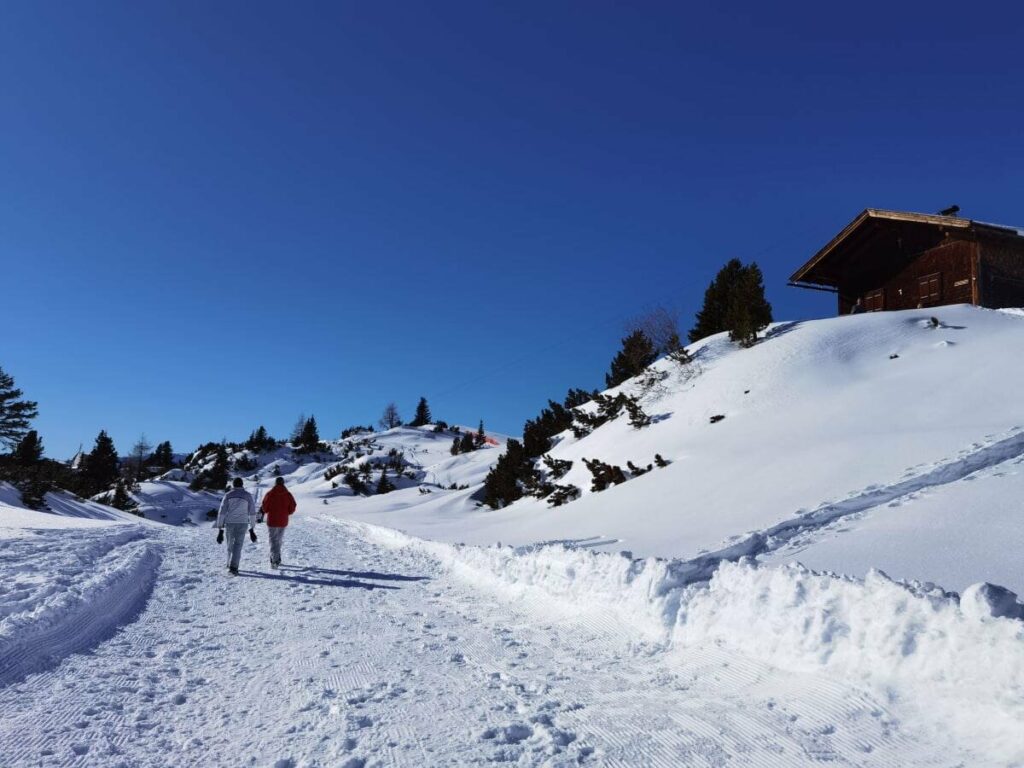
(957, 654)
(92, 585)
(644, 593)
(961, 653)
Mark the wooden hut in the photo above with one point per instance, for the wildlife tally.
(885, 260)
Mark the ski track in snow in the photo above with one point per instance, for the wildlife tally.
(358, 655)
(801, 530)
(88, 584)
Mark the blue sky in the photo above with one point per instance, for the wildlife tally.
(217, 215)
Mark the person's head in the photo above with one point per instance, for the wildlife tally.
(237, 482)
(279, 481)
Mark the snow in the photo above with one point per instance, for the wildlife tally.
(908, 638)
(360, 654)
(962, 533)
(821, 429)
(65, 511)
(826, 574)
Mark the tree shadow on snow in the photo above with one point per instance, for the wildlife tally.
(373, 575)
(346, 583)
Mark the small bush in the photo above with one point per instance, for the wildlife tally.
(563, 494)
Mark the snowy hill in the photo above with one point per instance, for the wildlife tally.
(662, 621)
(418, 461)
(60, 507)
(845, 422)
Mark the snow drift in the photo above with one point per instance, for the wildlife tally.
(88, 585)
(965, 653)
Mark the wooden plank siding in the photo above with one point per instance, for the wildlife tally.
(1001, 273)
(940, 275)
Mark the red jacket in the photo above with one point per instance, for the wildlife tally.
(277, 505)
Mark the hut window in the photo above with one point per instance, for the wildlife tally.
(875, 301)
(929, 288)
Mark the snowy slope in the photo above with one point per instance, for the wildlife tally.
(824, 420)
(849, 444)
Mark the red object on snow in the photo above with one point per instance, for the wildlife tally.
(277, 505)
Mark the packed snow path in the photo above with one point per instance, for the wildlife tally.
(354, 655)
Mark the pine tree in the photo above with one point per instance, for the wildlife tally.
(711, 317)
(422, 416)
(384, 485)
(467, 445)
(259, 441)
(748, 311)
(121, 498)
(101, 466)
(15, 413)
(501, 485)
(30, 450)
(456, 448)
(577, 397)
(30, 473)
(481, 437)
(636, 354)
(734, 302)
(217, 478)
(163, 456)
(309, 437)
(506, 480)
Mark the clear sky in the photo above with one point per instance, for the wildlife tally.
(215, 215)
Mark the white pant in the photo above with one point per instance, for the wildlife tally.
(235, 538)
(276, 537)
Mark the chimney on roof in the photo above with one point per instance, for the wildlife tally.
(953, 210)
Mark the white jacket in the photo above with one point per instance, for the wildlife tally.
(237, 507)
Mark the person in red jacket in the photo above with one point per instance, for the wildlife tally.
(277, 505)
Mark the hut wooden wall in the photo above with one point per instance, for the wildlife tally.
(950, 263)
(1002, 273)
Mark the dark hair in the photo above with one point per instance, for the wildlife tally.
(279, 481)
(237, 482)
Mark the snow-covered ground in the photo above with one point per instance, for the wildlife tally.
(849, 421)
(880, 453)
(362, 653)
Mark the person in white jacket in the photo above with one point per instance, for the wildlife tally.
(237, 512)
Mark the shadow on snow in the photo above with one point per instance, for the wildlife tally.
(346, 583)
(372, 575)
